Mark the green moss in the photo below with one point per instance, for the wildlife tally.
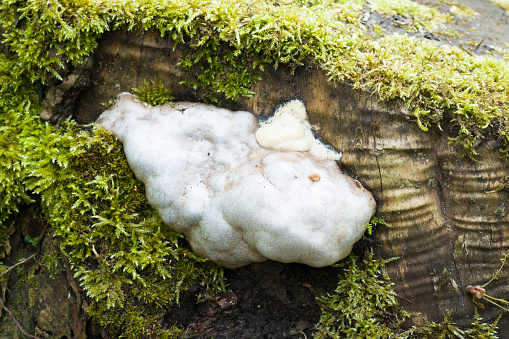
(503, 51)
(232, 38)
(420, 17)
(153, 93)
(51, 264)
(448, 329)
(43, 35)
(365, 306)
(481, 330)
(12, 175)
(220, 68)
(115, 242)
(118, 246)
(373, 222)
(445, 329)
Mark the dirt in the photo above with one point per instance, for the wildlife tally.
(263, 300)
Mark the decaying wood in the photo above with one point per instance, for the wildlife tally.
(449, 222)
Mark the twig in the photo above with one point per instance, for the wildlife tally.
(17, 323)
(466, 50)
(479, 45)
(18, 264)
(97, 254)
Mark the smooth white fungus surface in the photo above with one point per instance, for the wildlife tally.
(237, 202)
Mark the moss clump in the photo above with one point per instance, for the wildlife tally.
(43, 36)
(448, 329)
(220, 68)
(365, 306)
(124, 256)
(481, 330)
(502, 3)
(153, 93)
(374, 222)
(11, 169)
(420, 17)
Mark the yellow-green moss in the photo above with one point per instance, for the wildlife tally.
(118, 247)
(153, 93)
(502, 3)
(419, 17)
(365, 307)
(435, 81)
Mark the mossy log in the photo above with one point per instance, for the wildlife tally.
(448, 214)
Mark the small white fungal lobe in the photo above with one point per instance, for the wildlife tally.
(289, 130)
(237, 202)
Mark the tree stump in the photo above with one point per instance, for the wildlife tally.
(448, 214)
